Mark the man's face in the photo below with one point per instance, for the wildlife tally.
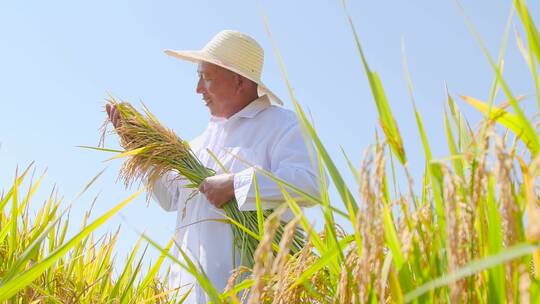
(218, 88)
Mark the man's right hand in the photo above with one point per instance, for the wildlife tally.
(114, 115)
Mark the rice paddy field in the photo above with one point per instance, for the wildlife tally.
(467, 231)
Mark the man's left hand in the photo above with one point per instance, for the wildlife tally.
(218, 189)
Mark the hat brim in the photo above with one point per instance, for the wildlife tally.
(198, 56)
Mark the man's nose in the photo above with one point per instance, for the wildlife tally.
(200, 87)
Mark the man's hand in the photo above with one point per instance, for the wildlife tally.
(114, 115)
(218, 189)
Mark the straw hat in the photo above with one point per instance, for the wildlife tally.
(233, 51)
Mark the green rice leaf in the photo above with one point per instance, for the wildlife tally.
(530, 27)
(125, 272)
(386, 118)
(244, 285)
(420, 125)
(354, 171)
(100, 149)
(314, 238)
(131, 152)
(329, 256)
(155, 268)
(258, 203)
(12, 240)
(6, 199)
(504, 256)
(533, 38)
(128, 289)
(509, 120)
(464, 131)
(89, 184)
(392, 239)
(189, 266)
(497, 289)
(457, 159)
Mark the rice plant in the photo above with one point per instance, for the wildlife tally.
(41, 263)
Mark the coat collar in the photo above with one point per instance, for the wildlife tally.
(249, 111)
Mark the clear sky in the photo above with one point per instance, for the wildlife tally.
(59, 59)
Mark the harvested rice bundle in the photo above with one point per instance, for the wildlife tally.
(154, 150)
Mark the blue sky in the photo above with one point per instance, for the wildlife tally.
(59, 59)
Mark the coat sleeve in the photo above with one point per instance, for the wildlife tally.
(170, 192)
(290, 160)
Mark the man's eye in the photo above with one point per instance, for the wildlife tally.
(204, 77)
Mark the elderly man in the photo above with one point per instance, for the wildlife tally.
(246, 128)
